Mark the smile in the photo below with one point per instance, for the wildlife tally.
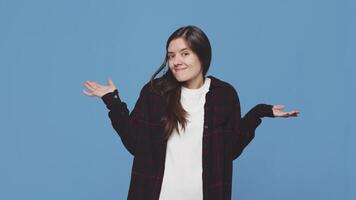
(181, 69)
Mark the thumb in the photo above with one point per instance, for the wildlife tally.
(110, 82)
(279, 107)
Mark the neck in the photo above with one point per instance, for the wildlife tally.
(195, 83)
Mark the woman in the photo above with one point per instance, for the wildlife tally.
(186, 128)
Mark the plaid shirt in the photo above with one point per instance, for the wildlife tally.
(225, 135)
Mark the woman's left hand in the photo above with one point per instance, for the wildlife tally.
(277, 112)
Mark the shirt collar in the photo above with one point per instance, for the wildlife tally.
(215, 82)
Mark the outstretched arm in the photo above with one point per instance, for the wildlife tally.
(126, 124)
(244, 128)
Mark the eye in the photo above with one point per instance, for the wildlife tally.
(185, 53)
(170, 56)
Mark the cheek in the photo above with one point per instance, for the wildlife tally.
(192, 62)
(195, 63)
(170, 64)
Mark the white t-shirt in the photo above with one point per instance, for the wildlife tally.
(182, 178)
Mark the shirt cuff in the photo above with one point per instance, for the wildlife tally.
(111, 99)
(264, 110)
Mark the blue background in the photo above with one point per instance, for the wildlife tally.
(57, 143)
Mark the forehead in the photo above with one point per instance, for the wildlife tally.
(177, 45)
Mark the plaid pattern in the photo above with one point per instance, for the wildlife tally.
(225, 135)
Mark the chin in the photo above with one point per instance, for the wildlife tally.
(181, 78)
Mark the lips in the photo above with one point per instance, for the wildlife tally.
(180, 69)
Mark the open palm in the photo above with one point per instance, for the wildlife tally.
(96, 89)
(277, 112)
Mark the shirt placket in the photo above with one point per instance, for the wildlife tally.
(205, 147)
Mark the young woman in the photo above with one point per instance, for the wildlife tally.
(185, 129)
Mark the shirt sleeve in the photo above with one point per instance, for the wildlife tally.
(244, 128)
(127, 125)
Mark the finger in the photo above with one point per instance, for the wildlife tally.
(110, 82)
(92, 84)
(87, 93)
(294, 113)
(95, 84)
(284, 114)
(89, 86)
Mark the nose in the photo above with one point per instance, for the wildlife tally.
(176, 61)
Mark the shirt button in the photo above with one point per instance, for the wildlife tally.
(115, 96)
(205, 126)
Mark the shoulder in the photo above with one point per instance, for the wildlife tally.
(222, 87)
(149, 87)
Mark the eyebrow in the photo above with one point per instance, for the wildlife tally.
(169, 52)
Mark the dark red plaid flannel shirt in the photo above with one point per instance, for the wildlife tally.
(225, 135)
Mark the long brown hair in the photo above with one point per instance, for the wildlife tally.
(169, 88)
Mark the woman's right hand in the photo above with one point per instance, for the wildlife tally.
(95, 89)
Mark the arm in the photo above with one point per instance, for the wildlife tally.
(127, 125)
(244, 128)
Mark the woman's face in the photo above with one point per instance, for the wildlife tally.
(184, 64)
